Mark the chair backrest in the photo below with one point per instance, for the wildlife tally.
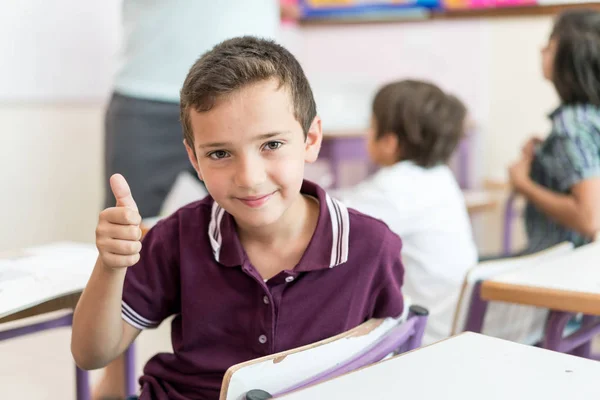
(290, 370)
(523, 324)
(509, 217)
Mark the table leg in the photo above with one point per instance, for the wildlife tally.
(82, 384)
(130, 378)
(555, 327)
(477, 310)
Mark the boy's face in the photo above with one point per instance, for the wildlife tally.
(548, 55)
(250, 152)
(383, 151)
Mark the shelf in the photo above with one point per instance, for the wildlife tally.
(420, 15)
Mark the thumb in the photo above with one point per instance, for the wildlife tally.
(122, 193)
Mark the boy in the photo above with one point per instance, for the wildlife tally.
(415, 129)
(266, 263)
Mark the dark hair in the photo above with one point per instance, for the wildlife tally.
(236, 63)
(576, 69)
(428, 122)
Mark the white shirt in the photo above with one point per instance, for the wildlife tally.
(426, 208)
(163, 38)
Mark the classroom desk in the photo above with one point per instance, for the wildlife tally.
(46, 302)
(478, 201)
(469, 366)
(566, 285)
(570, 283)
(66, 303)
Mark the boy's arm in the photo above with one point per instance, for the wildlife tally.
(578, 173)
(99, 334)
(579, 210)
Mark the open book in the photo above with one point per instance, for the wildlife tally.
(39, 274)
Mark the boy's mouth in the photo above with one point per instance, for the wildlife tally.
(255, 201)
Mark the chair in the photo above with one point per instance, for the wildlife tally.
(510, 210)
(509, 217)
(284, 372)
(553, 330)
(476, 315)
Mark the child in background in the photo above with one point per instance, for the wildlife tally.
(415, 128)
(560, 176)
(266, 263)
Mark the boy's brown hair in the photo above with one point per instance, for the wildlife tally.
(236, 63)
(576, 69)
(428, 123)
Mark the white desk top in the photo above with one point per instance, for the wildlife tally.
(43, 273)
(568, 283)
(479, 200)
(467, 367)
(477, 197)
(577, 271)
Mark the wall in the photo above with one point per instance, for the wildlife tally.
(51, 152)
(50, 175)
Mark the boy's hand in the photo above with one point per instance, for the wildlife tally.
(519, 173)
(118, 232)
(528, 150)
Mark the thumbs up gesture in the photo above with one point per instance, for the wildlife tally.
(118, 232)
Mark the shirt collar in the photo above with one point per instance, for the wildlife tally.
(328, 247)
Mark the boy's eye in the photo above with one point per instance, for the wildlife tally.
(219, 154)
(273, 145)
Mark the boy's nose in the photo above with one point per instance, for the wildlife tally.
(250, 173)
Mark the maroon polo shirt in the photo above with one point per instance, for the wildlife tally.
(193, 266)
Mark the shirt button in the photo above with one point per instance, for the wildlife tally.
(262, 339)
(266, 300)
(289, 279)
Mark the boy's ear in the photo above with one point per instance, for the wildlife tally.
(391, 145)
(312, 144)
(192, 156)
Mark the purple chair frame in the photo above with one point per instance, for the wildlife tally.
(578, 343)
(402, 338)
(509, 217)
(336, 150)
(82, 385)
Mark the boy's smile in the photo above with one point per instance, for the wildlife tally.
(250, 151)
(256, 201)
